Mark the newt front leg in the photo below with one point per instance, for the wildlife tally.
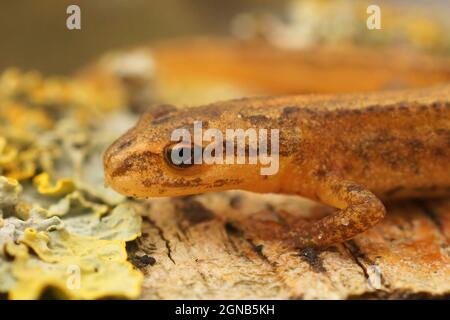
(358, 209)
(346, 151)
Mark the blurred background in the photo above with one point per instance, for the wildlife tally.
(66, 95)
(34, 33)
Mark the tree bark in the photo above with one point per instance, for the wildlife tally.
(198, 248)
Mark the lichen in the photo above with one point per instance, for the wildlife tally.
(60, 229)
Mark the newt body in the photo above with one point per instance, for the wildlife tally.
(347, 151)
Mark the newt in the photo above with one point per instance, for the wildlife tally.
(348, 151)
(236, 68)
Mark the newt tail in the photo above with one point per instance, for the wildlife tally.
(347, 151)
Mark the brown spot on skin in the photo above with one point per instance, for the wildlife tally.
(247, 148)
(122, 170)
(312, 112)
(445, 133)
(125, 144)
(424, 107)
(137, 161)
(256, 119)
(161, 120)
(437, 106)
(415, 144)
(371, 109)
(426, 189)
(161, 113)
(194, 211)
(287, 147)
(289, 111)
(393, 191)
(340, 113)
(355, 188)
(348, 168)
(182, 183)
(321, 173)
(222, 182)
(147, 183)
(439, 152)
(391, 157)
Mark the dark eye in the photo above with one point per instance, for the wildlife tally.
(180, 156)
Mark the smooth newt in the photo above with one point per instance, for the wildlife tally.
(347, 151)
(233, 68)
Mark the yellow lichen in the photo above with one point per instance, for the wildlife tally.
(61, 187)
(64, 231)
(79, 266)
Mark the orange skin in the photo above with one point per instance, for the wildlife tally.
(258, 68)
(262, 68)
(346, 151)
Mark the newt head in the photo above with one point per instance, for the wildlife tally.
(153, 159)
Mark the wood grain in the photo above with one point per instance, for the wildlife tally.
(201, 247)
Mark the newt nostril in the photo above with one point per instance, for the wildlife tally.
(115, 166)
(125, 144)
(116, 148)
(113, 159)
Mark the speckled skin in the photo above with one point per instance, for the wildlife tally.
(347, 151)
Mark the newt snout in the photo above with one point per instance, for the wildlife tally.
(140, 164)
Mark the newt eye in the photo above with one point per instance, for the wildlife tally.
(181, 156)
